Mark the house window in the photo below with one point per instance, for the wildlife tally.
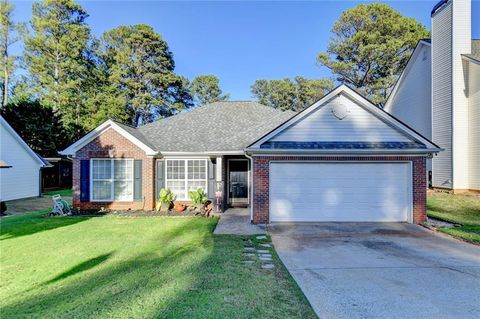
(112, 180)
(184, 175)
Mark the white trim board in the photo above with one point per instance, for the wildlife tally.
(363, 102)
(109, 124)
(21, 142)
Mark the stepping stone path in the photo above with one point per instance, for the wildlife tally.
(264, 255)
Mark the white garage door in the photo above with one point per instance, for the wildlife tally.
(313, 191)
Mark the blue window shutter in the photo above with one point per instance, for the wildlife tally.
(212, 182)
(85, 180)
(159, 177)
(137, 181)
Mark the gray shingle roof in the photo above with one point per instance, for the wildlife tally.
(220, 126)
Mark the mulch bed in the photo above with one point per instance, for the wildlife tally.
(131, 213)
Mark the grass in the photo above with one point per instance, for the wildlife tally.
(461, 209)
(146, 267)
(61, 192)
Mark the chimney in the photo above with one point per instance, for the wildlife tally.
(451, 37)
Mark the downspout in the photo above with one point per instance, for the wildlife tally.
(251, 185)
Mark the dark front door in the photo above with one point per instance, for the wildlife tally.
(238, 182)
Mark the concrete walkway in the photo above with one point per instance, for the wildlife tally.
(236, 221)
(380, 270)
(32, 204)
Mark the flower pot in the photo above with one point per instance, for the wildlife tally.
(180, 207)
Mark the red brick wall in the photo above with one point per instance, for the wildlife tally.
(261, 181)
(99, 148)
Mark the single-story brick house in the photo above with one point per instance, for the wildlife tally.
(341, 159)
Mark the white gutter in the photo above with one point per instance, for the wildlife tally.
(210, 153)
(251, 185)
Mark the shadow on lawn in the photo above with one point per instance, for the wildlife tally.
(199, 277)
(106, 292)
(86, 265)
(28, 224)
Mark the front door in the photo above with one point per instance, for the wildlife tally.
(238, 182)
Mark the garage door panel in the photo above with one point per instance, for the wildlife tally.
(301, 191)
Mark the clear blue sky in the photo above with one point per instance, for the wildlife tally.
(240, 41)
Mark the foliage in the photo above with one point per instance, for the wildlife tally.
(288, 94)
(3, 207)
(40, 127)
(461, 209)
(198, 196)
(56, 56)
(205, 89)
(166, 196)
(370, 47)
(140, 73)
(10, 33)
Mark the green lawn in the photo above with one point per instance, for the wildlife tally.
(149, 267)
(460, 209)
(61, 192)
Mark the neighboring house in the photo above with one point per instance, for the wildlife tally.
(342, 159)
(58, 175)
(22, 179)
(438, 94)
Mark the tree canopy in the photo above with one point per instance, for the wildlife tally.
(140, 71)
(369, 48)
(288, 94)
(206, 89)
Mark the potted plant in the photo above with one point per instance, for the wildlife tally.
(198, 199)
(165, 199)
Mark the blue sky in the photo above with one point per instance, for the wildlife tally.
(239, 41)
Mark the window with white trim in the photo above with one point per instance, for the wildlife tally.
(184, 175)
(111, 180)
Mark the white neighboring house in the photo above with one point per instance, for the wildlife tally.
(22, 179)
(438, 94)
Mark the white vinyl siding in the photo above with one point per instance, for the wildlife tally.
(474, 126)
(358, 126)
(111, 180)
(442, 96)
(22, 180)
(184, 175)
(411, 102)
(462, 40)
(340, 192)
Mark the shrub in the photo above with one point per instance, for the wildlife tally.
(166, 196)
(198, 197)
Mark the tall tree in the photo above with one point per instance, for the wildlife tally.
(206, 89)
(10, 33)
(140, 70)
(288, 94)
(56, 55)
(39, 126)
(370, 47)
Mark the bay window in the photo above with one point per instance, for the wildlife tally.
(184, 175)
(111, 180)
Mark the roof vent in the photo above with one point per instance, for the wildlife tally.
(340, 111)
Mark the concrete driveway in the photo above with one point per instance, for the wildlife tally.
(381, 270)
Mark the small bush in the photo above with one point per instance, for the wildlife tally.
(198, 197)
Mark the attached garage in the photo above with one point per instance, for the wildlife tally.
(340, 192)
(343, 159)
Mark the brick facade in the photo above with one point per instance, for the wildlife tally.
(111, 140)
(261, 169)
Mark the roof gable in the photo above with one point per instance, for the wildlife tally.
(22, 143)
(343, 119)
(131, 133)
